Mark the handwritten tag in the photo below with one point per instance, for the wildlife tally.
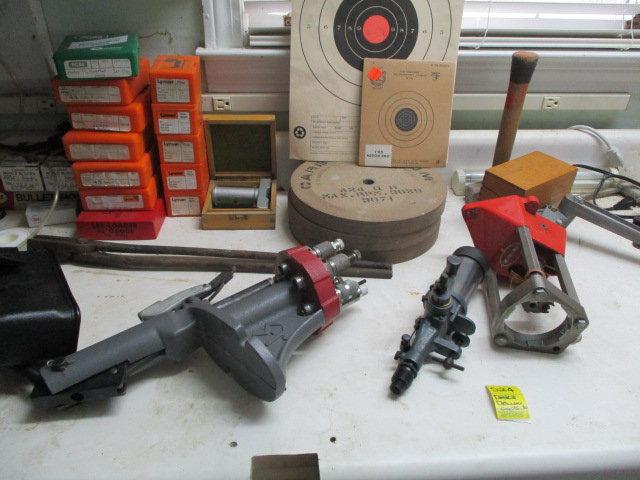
(509, 403)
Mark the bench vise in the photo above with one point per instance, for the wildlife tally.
(250, 335)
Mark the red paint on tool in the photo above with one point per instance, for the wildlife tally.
(316, 272)
(493, 226)
(376, 29)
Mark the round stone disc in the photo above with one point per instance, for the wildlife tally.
(391, 249)
(367, 200)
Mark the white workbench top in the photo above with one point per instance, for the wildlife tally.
(179, 421)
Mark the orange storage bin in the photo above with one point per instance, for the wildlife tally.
(114, 174)
(85, 145)
(113, 118)
(185, 177)
(176, 119)
(121, 91)
(182, 148)
(184, 204)
(176, 79)
(144, 198)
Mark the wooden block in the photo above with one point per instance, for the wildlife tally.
(536, 173)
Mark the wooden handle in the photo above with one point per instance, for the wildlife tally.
(523, 64)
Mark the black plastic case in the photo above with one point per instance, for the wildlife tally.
(39, 318)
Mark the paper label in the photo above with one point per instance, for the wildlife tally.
(114, 202)
(187, 180)
(98, 151)
(92, 121)
(77, 94)
(17, 178)
(509, 403)
(334, 134)
(172, 90)
(378, 155)
(178, 152)
(58, 176)
(98, 68)
(110, 179)
(99, 42)
(183, 206)
(172, 123)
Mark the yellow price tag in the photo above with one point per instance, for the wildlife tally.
(509, 403)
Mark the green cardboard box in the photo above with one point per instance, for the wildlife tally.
(90, 57)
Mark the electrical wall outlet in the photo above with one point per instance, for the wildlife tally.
(551, 103)
(221, 104)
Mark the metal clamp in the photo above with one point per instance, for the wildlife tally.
(536, 294)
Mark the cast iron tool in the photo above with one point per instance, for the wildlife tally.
(250, 335)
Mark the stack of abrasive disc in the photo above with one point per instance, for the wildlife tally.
(389, 214)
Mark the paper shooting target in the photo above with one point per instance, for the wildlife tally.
(406, 119)
(336, 36)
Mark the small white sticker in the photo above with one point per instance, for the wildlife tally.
(98, 151)
(378, 155)
(172, 90)
(186, 180)
(58, 176)
(93, 121)
(178, 152)
(16, 178)
(99, 42)
(98, 68)
(175, 123)
(114, 202)
(185, 206)
(110, 179)
(78, 94)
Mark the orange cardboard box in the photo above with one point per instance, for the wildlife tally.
(176, 79)
(85, 145)
(143, 198)
(184, 204)
(113, 118)
(193, 177)
(121, 91)
(182, 148)
(114, 174)
(176, 119)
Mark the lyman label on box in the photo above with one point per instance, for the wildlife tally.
(181, 206)
(98, 151)
(18, 178)
(186, 181)
(110, 179)
(114, 202)
(378, 155)
(175, 123)
(98, 68)
(92, 121)
(172, 90)
(178, 152)
(77, 94)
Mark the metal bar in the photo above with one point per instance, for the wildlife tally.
(65, 247)
(529, 253)
(564, 277)
(573, 206)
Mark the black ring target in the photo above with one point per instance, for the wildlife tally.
(348, 26)
(406, 119)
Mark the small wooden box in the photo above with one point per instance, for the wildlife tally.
(536, 173)
(241, 149)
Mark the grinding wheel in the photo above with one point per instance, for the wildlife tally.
(396, 249)
(368, 201)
